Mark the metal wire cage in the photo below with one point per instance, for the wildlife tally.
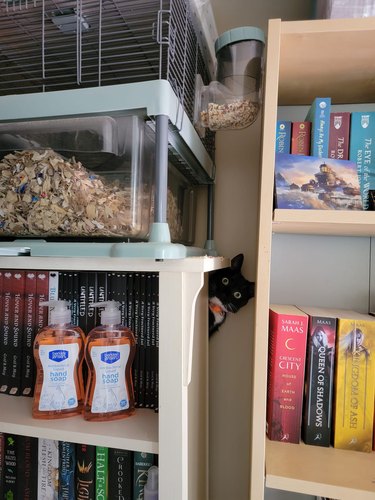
(48, 45)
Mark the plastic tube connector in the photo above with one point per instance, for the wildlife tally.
(111, 314)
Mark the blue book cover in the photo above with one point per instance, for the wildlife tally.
(319, 115)
(308, 182)
(362, 150)
(283, 136)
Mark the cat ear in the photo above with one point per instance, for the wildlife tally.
(236, 262)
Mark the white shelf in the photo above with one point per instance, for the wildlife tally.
(314, 470)
(327, 222)
(138, 432)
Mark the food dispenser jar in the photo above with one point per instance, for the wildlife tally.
(233, 100)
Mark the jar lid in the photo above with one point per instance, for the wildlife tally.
(241, 34)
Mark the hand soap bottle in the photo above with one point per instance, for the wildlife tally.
(58, 353)
(109, 353)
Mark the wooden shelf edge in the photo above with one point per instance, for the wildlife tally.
(138, 432)
(325, 222)
(320, 471)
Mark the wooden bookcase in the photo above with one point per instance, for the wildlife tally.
(179, 431)
(319, 258)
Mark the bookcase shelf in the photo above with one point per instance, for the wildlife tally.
(310, 257)
(176, 431)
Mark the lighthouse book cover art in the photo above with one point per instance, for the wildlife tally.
(308, 182)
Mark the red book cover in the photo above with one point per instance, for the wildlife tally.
(13, 324)
(42, 294)
(288, 328)
(301, 138)
(339, 134)
(28, 371)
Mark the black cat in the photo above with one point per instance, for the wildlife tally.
(228, 291)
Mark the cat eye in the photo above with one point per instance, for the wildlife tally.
(225, 281)
(237, 295)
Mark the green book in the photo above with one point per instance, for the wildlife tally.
(101, 474)
(142, 462)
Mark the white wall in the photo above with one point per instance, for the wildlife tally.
(235, 227)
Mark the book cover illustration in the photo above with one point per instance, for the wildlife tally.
(318, 115)
(362, 151)
(307, 182)
(301, 135)
(286, 372)
(339, 135)
(318, 401)
(354, 383)
(283, 136)
(48, 468)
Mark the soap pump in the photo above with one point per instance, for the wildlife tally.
(58, 354)
(109, 353)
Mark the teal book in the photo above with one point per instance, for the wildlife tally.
(101, 476)
(142, 462)
(362, 151)
(283, 136)
(319, 116)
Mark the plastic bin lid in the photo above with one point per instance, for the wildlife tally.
(239, 35)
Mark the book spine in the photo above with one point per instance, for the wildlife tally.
(67, 464)
(101, 473)
(91, 298)
(120, 472)
(10, 466)
(301, 138)
(53, 283)
(85, 472)
(48, 468)
(2, 465)
(27, 467)
(287, 334)
(28, 364)
(318, 115)
(361, 151)
(142, 337)
(42, 294)
(5, 332)
(83, 298)
(339, 134)
(317, 414)
(155, 329)
(354, 385)
(141, 463)
(283, 136)
(148, 312)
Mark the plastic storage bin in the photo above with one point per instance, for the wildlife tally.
(86, 177)
(233, 100)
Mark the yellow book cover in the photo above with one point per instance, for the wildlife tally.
(355, 383)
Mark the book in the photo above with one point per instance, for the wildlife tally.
(120, 472)
(67, 466)
(10, 466)
(319, 373)
(48, 468)
(141, 463)
(85, 472)
(101, 473)
(339, 135)
(318, 115)
(361, 151)
(354, 382)
(28, 364)
(301, 138)
(42, 294)
(288, 327)
(2, 447)
(307, 182)
(12, 332)
(283, 136)
(27, 467)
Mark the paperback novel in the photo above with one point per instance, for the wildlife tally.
(354, 382)
(318, 115)
(319, 373)
(283, 136)
(307, 182)
(85, 471)
(301, 138)
(339, 135)
(286, 370)
(120, 471)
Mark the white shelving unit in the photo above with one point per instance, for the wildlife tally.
(179, 432)
(310, 257)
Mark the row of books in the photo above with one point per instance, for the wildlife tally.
(321, 377)
(21, 317)
(333, 135)
(38, 468)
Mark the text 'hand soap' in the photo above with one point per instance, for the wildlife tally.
(109, 353)
(58, 353)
